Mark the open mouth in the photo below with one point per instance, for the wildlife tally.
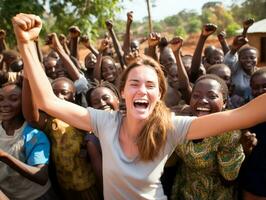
(141, 104)
(203, 111)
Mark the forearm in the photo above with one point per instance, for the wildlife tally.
(126, 45)
(183, 78)
(240, 118)
(36, 174)
(74, 47)
(39, 52)
(152, 52)
(68, 64)
(117, 48)
(225, 46)
(39, 83)
(196, 59)
(97, 69)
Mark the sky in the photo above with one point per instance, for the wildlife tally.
(163, 8)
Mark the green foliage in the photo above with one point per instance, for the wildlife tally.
(59, 15)
(180, 31)
(232, 28)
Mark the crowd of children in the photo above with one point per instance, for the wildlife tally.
(130, 121)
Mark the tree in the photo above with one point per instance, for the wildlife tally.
(89, 15)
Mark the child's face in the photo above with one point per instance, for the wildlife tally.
(206, 98)
(10, 102)
(109, 71)
(248, 60)
(172, 77)
(90, 61)
(104, 99)
(167, 58)
(258, 84)
(64, 90)
(216, 57)
(225, 74)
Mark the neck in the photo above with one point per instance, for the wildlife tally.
(12, 124)
(132, 127)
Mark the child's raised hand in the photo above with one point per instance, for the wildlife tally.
(109, 24)
(2, 33)
(208, 29)
(74, 31)
(130, 16)
(154, 39)
(104, 44)
(84, 39)
(221, 35)
(26, 27)
(53, 41)
(176, 43)
(239, 41)
(247, 23)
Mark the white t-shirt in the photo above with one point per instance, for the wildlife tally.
(125, 178)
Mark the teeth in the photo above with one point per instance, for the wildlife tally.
(141, 101)
(203, 109)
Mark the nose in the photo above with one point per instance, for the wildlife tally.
(203, 100)
(142, 89)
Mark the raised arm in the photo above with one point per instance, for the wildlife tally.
(67, 62)
(3, 45)
(246, 24)
(207, 30)
(185, 87)
(118, 49)
(86, 42)
(27, 28)
(63, 41)
(221, 37)
(153, 41)
(127, 37)
(74, 33)
(252, 113)
(97, 70)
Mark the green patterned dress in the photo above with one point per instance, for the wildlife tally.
(207, 167)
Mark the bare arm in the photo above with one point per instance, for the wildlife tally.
(74, 33)
(221, 122)
(221, 37)
(27, 28)
(246, 24)
(207, 30)
(126, 45)
(37, 174)
(68, 63)
(185, 87)
(63, 40)
(2, 40)
(153, 41)
(86, 42)
(117, 46)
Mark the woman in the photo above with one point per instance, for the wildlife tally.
(137, 145)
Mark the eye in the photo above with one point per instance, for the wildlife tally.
(65, 92)
(213, 96)
(150, 86)
(14, 97)
(106, 97)
(195, 96)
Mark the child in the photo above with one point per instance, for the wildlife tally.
(208, 165)
(24, 151)
(135, 146)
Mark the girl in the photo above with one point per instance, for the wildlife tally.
(24, 151)
(136, 146)
(208, 165)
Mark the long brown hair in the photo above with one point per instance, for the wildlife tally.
(154, 134)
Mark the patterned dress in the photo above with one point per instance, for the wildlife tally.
(207, 167)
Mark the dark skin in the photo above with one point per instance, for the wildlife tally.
(117, 47)
(66, 61)
(184, 84)
(10, 100)
(153, 41)
(87, 43)
(246, 24)
(63, 41)
(207, 30)
(74, 34)
(221, 37)
(127, 37)
(3, 45)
